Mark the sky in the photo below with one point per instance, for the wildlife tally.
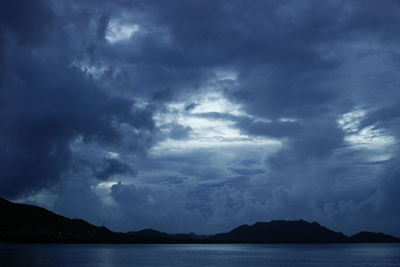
(199, 116)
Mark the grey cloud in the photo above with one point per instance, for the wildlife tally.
(113, 167)
(76, 199)
(273, 129)
(177, 131)
(47, 105)
(102, 26)
(307, 61)
(20, 21)
(215, 115)
(190, 106)
(247, 172)
(159, 208)
(385, 117)
(163, 95)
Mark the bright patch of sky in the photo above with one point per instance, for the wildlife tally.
(118, 31)
(207, 131)
(369, 137)
(103, 190)
(226, 75)
(113, 155)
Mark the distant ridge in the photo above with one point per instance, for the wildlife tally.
(27, 223)
(369, 237)
(282, 232)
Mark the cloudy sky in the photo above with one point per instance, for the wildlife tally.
(198, 116)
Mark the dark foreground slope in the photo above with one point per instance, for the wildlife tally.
(27, 223)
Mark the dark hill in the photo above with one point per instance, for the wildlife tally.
(369, 237)
(190, 236)
(27, 223)
(151, 236)
(150, 233)
(282, 232)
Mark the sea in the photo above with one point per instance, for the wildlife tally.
(221, 255)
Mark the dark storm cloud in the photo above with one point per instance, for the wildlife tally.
(294, 69)
(47, 105)
(76, 199)
(112, 167)
(163, 95)
(103, 22)
(386, 117)
(28, 23)
(158, 207)
(43, 117)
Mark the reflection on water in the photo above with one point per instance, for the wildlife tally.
(200, 255)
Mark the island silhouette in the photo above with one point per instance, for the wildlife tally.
(22, 223)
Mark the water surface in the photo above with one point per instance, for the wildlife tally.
(200, 255)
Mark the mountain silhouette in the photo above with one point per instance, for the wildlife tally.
(282, 232)
(20, 222)
(369, 237)
(27, 223)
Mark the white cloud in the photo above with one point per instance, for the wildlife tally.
(91, 69)
(370, 137)
(207, 131)
(118, 31)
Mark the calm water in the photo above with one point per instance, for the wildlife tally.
(200, 255)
